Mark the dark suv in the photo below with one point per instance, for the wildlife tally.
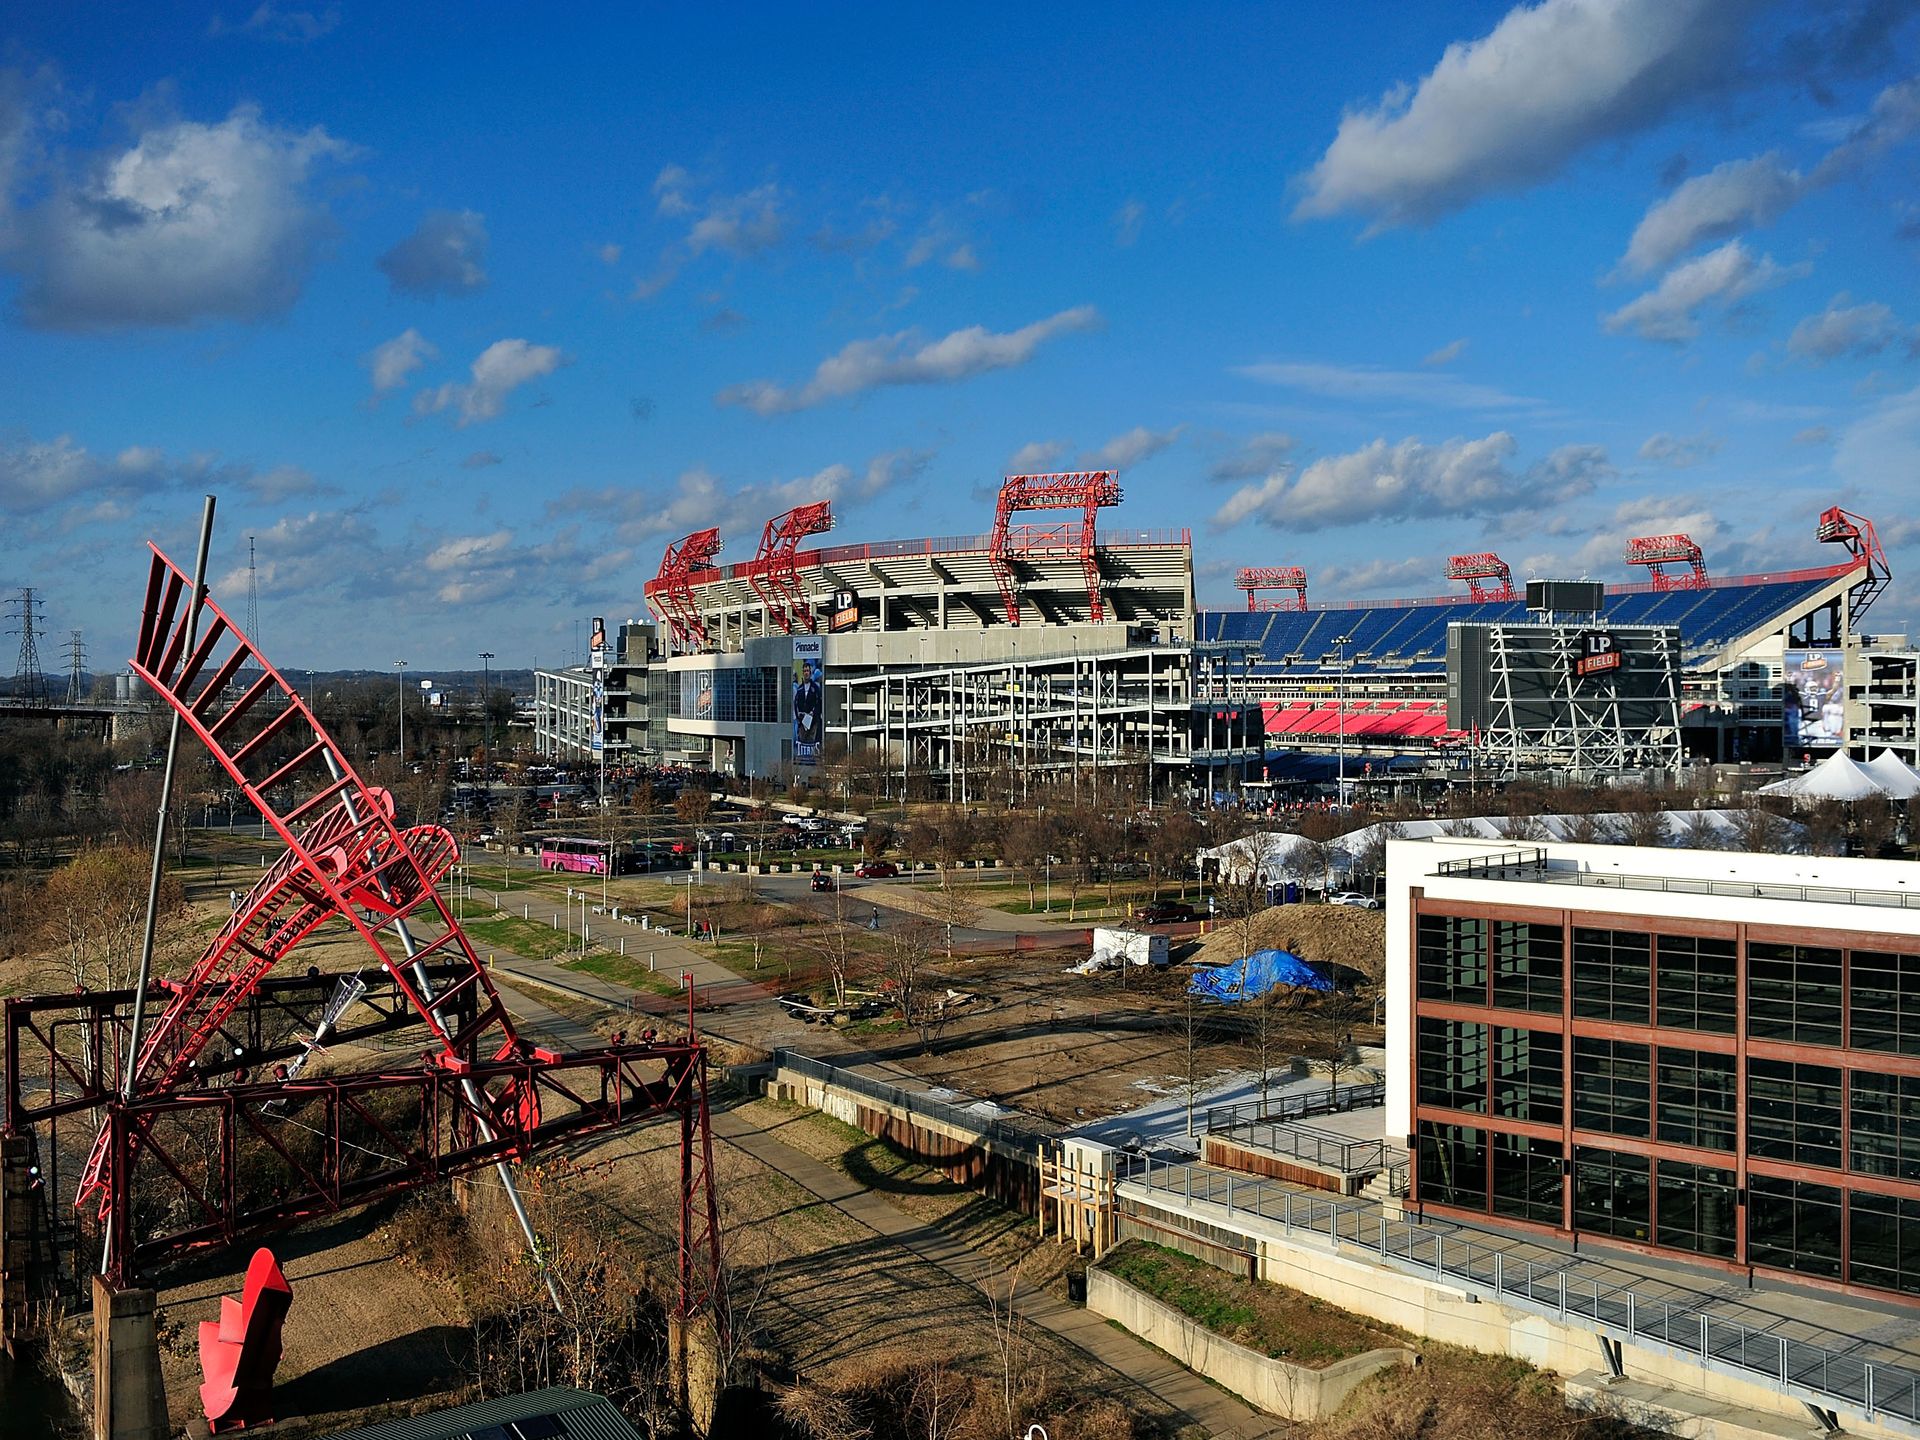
(822, 880)
(1164, 912)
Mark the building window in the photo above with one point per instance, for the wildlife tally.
(1453, 1064)
(1885, 1116)
(1793, 1112)
(1453, 959)
(1698, 1207)
(1883, 1243)
(1453, 1165)
(1526, 966)
(1885, 1014)
(1611, 1086)
(1610, 1193)
(1793, 993)
(1527, 1178)
(1698, 983)
(1793, 1224)
(1697, 1098)
(1526, 1075)
(1611, 974)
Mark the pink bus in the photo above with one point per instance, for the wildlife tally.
(582, 857)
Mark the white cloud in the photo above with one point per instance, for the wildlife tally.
(273, 22)
(1415, 480)
(498, 371)
(1722, 277)
(38, 473)
(902, 359)
(1893, 119)
(1679, 451)
(1370, 384)
(609, 254)
(1715, 206)
(1511, 109)
(670, 188)
(1036, 457)
(1446, 354)
(191, 222)
(461, 551)
(1813, 435)
(1849, 331)
(446, 255)
(1127, 221)
(480, 460)
(743, 224)
(1414, 575)
(1130, 448)
(1258, 456)
(392, 362)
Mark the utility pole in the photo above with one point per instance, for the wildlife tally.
(400, 674)
(486, 707)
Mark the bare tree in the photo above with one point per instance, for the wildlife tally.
(831, 939)
(1758, 829)
(1700, 831)
(905, 956)
(93, 912)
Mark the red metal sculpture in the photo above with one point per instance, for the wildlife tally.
(1856, 532)
(240, 1351)
(1485, 565)
(1656, 552)
(1255, 578)
(670, 593)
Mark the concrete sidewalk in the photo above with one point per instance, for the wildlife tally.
(1133, 1363)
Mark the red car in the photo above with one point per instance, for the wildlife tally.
(876, 870)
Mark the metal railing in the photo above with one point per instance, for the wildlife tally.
(1340, 1153)
(1737, 889)
(1008, 1131)
(1828, 1374)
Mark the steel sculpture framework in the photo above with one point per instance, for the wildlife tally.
(1088, 491)
(772, 572)
(1255, 578)
(1482, 565)
(167, 1174)
(670, 593)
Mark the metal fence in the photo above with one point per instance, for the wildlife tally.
(1301, 1104)
(1007, 1132)
(1830, 1373)
(1341, 1153)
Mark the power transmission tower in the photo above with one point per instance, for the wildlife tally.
(29, 684)
(253, 597)
(76, 667)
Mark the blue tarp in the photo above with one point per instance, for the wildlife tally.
(1255, 975)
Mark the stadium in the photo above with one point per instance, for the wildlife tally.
(1048, 645)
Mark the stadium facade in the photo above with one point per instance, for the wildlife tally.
(1058, 648)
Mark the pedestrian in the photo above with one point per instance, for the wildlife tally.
(233, 900)
(873, 922)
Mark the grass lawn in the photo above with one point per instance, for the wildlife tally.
(1280, 1323)
(626, 970)
(532, 939)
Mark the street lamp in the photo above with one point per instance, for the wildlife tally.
(400, 675)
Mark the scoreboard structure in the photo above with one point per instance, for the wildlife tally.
(1584, 699)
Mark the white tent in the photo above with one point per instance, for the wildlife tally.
(1898, 780)
(1271, 857)
(1838, 777)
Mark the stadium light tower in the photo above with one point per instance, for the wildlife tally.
(486, 708)
(1340, 712)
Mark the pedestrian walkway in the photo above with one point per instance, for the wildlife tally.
(1132, 1361)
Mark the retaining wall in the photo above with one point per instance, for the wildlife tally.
(1293, 1392)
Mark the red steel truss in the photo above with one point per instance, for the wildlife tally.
(247, 1155)
(772, 573)
(1255, 578)
(670, 593)
(1856, 532)
(1087, 491)
(1656, 552)
(198, 1169)
(1484, 565)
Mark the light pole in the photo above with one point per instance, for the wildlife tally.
(486, 710)
(1340, 712)
(400, 675)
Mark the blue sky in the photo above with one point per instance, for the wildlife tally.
(465, 312)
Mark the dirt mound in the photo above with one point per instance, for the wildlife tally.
(1342, 934)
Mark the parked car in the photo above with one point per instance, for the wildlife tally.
(1164, 912)
(876, 870)
(823, 880)
(1353, 898)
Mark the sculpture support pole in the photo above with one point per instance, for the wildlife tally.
(160, 839)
